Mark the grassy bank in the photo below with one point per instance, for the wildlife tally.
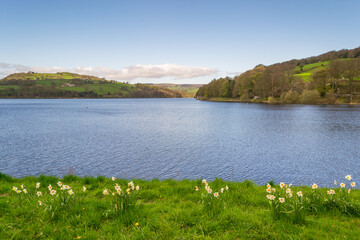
(171, 209)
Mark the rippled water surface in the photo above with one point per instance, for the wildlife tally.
(179, 138)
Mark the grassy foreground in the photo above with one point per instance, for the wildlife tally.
(167, 209)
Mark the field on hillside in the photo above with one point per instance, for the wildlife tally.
(188, 90)
(94, 208)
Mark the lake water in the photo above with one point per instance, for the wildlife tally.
(179, 139)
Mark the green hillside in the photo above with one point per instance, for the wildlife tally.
(330, 78)
(72, 85)
(187, 90)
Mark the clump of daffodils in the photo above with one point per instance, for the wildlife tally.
(209, 190)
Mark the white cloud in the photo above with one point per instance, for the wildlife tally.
(126, 74)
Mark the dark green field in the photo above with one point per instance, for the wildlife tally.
(172, 209)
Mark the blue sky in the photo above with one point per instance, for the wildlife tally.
(169, 41)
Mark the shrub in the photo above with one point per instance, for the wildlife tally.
(291, 97)
(245, 98)
(310, 97)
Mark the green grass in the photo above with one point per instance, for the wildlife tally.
(167, 209)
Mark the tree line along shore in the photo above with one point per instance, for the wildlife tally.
(330, 78)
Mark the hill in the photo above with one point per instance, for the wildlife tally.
(187, 90)
(330, 78)
(72, 85)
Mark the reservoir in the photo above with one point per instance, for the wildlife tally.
(180, 139)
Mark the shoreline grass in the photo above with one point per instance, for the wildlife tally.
(167, 209)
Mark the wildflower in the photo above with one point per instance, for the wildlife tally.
(59, 184)
(272, 197)
(15, 189)
(71, 192)
(268, 185)
(282, 200)
(348, 177)
(22, 186)
(268, 196)
(118, 191)
(37, 185)
(352, 184)
(53, 192)
(288, 190)
(132, 187)
(332, 191)
(209, 191)
(342, 185)
(216, 194)
(128, 191)
(222, 190)
(38, 194)
(18, 191)
(130, 184)
(273, 190)
(66, 187)
(136, 224)
(349, 191)
(78, 237)
(40, 203)
(329, 192)
(84, 189)
(50, 187)
(105, 192)
(290, 195)
(227, 188)
(137, 188)
(117, 187)
(196, 188)
(335, 182)
(290, 184)
(25, 191)
(268, 190)
(113, 194)
(282, 185)
(207, 187)
(299, 193)
(314, 186)
(62, 187)
(113, 178)
(204, 181)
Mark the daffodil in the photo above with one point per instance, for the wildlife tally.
(38, 194)
(282, 200)
(272, 197)
(352, 184)
(332, 191)
(84, 189)
(37, 185)
(105, 192)
(221, 190)
(314, 186)
(207, 187)
(14, 189)
(268, 185)
(40, 203)
(299, 193)
(204, 181)
(209, 191)
(348, 177)
(335, 182)
(22, 186)
(53, 192)
(66, 187)
(113, 178)
(288, 190)
(25, 191)
(349, 191)
(216, 194)
(71, 192)
(117, 187)
(196, 188)
(137, 224)
(282, 185)
(59, 184)
(226, 188)
(342, 185)
(18, 191)
(50, 187)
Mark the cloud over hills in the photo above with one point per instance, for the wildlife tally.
(125, 74)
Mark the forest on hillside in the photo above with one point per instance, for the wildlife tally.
(333, 77)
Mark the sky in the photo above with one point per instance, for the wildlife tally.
(187, 41)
